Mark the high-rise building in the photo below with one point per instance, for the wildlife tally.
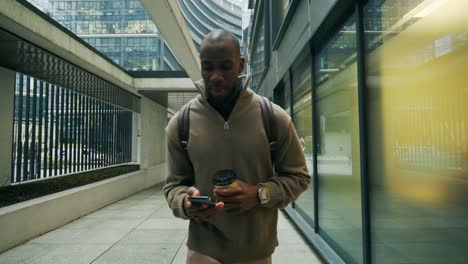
(205, 16)
(123, 31)
(120, 29)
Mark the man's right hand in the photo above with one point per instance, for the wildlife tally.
(200, 213)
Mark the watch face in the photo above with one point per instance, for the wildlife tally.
(264, 195)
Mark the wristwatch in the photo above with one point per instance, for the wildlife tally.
(263, 195)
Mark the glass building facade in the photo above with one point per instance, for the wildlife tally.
(119, 29)
(418, 113)
(380, 104)
(259, 51)
(205, 16)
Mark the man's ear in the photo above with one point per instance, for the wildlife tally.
(242, 61)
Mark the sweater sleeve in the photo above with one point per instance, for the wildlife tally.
(179, 175)
(292, 176)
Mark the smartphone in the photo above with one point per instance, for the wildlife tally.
(199, 200)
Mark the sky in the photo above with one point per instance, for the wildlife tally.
(245, 14)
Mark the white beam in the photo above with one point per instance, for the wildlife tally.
(170, 22)
(165, 84)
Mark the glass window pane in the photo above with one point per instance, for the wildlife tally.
(303, 123)
(258, 57)
(417, 53)
(338, 150)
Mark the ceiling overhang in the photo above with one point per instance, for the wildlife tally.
(171, 24)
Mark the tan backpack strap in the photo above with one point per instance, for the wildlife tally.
(183, 122)
(269, 124)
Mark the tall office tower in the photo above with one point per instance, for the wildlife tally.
(120, 29)
(204, 16)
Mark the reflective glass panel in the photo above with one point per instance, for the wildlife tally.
(417, 54)
(338, 162)
(302, 117)
(258, 57)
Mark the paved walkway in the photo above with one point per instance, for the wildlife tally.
(137, 230)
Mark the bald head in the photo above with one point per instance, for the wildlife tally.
(221, 65)
(219, 38)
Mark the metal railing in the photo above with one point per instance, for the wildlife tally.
(61, 131)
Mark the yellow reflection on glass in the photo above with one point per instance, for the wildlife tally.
(417, 61)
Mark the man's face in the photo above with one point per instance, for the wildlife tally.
(220, 68)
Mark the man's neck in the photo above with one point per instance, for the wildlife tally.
(225, 108)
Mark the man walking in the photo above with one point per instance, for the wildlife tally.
(227, 134)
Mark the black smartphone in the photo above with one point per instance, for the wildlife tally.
(199, 200)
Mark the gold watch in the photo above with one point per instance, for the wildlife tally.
(263, 195)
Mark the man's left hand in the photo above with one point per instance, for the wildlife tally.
(238, 199)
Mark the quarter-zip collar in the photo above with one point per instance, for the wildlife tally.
(226, 108)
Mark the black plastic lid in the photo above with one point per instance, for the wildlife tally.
(224, 177)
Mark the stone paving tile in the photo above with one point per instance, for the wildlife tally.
(73, 254)
(289, 236)
(138, 229)
(121, 205)
(181, 255)
(154, 223)
(284, 223)
(147, 205)
(154, 236)
(54, 253)
(97, 223)
(139, 253)
(102, 213)
(120, 214)
(57, 236)
(25, 253)
(137, 214)
(163, 213)
(84, 236)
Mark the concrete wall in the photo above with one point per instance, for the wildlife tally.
(319, 9)
(7, 94)
(52, 211)
(61, 208)
(307, 18)
(153, 120)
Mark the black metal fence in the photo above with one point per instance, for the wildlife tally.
(59, 131)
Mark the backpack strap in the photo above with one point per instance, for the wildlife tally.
(183, 122)
(269, 124)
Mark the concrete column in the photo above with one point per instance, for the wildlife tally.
(7, 95)
(136, 139)
(153, 120)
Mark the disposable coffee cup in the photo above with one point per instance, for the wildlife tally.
(225, 179)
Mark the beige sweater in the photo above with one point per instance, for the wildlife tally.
(242, 145)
